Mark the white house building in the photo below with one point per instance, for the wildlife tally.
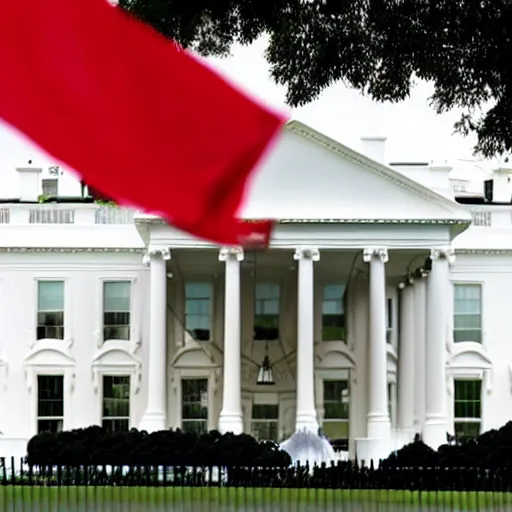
(378, 311)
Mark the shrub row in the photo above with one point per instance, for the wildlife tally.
(94, 446)
(492, 449)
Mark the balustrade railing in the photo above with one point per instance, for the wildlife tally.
(60, 214)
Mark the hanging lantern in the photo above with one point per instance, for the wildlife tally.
(265, 373)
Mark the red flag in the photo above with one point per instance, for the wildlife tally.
(142, 121)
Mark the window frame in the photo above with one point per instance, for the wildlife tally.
(113, 280)
(55, 183)
(337, 420)
(480, 285)
(475, 421)
(209, 390)
(67, 311)
(323, 286)
(50, 418)
(211, 307)
(279, 285)
(111, 374)
(269, 421)
(135, 319)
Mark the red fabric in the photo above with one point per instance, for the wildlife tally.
(143, 122)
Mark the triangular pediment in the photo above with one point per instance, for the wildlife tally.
(310, 176)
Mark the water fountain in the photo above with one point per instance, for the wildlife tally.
(308, 447)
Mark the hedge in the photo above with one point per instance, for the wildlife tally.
(490, 450)
(94, 446)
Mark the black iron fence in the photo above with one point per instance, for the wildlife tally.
(344, 487)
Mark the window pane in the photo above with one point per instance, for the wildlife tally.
(50, 396)
(465, 430)
(336, 429)
(336, 399)
(334, 291)
(116, 396)
(198, 291)
(194, 427)
(194, 405)
(116, 425)
(265, 430)
(467, 322)
(265, 411)
(467, 399)
(265, 291)
(465, 335)
(50, 296)
(53, 426)
(389, 313)
(467, 292)
(116, 296)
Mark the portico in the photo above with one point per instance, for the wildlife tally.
(350, 299)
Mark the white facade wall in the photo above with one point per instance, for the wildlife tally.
(396, 217)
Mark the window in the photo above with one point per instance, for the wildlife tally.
(50, 187)
(265, 421)
(266, 311)
(391, 403)
(116, 310)
(467, 408)
(50, 310)
(389, 319)
(198, 310)
(116, 403)
(336, 409)
(194, 405)
(467, 320)
(50, 403)
(333, 312)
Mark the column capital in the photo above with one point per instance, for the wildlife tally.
(231, 253)
(443, 253)
(380, 253)
(407, 281)
(156, 250)
(311, 253)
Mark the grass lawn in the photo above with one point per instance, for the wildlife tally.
(13, 498)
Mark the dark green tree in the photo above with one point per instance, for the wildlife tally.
(380, 47)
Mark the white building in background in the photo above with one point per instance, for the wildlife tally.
(380, 310)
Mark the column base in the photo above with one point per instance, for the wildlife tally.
(370, 450)
(307, 421)
(231, 422)
(378, 426)
(434, 432)
(402, 438)
(153, 421)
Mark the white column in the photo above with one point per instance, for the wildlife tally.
(420, 294)
(154, 418)
(306, 411)
(406, 363)
(378, 424)
(434, 432)
(231, 419)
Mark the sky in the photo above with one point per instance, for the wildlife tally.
(414, 132)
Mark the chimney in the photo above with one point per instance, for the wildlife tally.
(502, 190)
(29, 182)
(374, 147)
(440, 178)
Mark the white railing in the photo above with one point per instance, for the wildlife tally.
(5, 215)
(113, 215)
(50, 214)
(482, 218)
(55, 213)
